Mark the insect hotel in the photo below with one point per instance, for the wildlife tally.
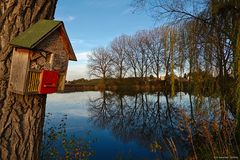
(40, 59)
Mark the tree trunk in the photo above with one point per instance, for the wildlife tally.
(21, 117)
(237, 72)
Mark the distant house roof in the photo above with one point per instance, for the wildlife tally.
(38, 32)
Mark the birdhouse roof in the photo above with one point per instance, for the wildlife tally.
(39, 31)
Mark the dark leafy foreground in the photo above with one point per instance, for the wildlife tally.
(57, 144)
(181, 127)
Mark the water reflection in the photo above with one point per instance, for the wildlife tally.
(172, 127)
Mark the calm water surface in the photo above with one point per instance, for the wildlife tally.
(128, 127)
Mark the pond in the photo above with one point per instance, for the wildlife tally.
(144, 125)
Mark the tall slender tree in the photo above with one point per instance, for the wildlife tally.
(142, 54)
(100, 63)
(154, 46)
(131, 56)
(118, 49)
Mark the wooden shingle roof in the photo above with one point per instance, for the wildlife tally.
(35, 34)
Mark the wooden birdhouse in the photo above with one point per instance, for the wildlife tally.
(40, 59)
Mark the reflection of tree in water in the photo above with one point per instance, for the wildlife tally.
(147, 118)
(141, 118)
(100, 109)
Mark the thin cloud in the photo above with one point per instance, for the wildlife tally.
(70, 18)
(83, 56)
(83, 43)
(77, 41)
(67, 18)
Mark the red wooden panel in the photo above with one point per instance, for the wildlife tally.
(48, 82)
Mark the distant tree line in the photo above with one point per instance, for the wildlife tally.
(191, 47)
(140, 55)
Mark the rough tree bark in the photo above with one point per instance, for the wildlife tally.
(21, 117)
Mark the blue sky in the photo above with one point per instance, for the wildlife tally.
(95, 23)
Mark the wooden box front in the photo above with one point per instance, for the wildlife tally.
(49, 80)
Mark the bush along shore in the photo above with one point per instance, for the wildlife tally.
(135, 85)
